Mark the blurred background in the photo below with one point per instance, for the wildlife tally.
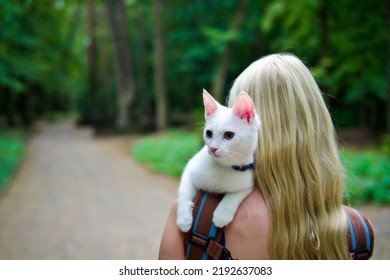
(73, 70)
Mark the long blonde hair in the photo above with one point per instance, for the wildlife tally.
(298, 169)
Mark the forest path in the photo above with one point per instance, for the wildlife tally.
(76, 196)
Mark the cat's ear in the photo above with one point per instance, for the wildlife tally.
(210, 105)
(244, 107)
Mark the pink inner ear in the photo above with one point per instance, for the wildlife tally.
(244, 107)
(210, 104)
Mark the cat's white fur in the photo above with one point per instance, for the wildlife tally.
(212, 171)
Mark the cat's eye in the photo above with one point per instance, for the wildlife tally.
(209, 134)
(228, 135)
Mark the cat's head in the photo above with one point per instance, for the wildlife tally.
(231, 133)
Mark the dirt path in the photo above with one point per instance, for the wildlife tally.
(78, 197)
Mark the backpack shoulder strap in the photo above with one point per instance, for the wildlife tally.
(201, 242)
(360, 235)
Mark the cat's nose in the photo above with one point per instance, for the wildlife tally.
(213, 149)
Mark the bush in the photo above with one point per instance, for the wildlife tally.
(385, 145)
(368, 176)
(12, 148)
(167, 153)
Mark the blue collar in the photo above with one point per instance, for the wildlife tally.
(243, 167)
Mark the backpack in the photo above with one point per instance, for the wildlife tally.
(204, 241)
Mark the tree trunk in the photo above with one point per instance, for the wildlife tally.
(73, 28)
(25, 107)
(123, 69)
(145, 101)
(159, 67)
(10, 112)
(323, 40)
(92, 62)
(219, 80)
(388, 67)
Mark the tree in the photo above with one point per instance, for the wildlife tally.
(92, 54)
(337, 43)
(388, 66)
(323, 15)
(343, 47)
(34, 76)
(123, 68)
(145, 100)
(159, 66)
(219, 80)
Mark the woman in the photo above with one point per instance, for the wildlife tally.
(296, 210)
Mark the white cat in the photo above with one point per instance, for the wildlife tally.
(224, 164)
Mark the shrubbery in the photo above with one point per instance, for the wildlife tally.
(368, 176)
(167, 153)
(12, 147)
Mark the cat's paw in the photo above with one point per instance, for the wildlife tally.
(222, 217)
(184, 223)
(184, 217)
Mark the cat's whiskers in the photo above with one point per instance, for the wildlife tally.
(238, 158)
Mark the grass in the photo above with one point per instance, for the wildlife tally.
(368, 171)
(167, 153)
(12, 148)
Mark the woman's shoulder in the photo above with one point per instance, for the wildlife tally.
(247, 235)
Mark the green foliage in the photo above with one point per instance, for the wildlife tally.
(368, 176)
(43, 52)
(12, 148)
(196, 36)
(39, 56)
(167, 153)
(385, 145)
(342, 46)
(294, 26)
